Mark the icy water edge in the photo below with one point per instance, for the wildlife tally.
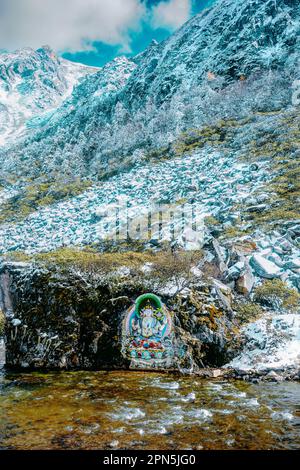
(139, 410)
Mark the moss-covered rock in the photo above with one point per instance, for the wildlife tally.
(248, 311)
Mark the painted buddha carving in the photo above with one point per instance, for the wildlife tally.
(147, 334)
(150, 322)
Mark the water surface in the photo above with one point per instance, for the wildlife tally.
(139, 410)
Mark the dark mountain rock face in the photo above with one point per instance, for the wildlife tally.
(59, 325)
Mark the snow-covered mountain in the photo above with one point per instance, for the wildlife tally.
(233, 40)
(234, 58)
(32, 83)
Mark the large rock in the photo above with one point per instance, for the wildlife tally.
(224, 294)
(60, 320)
(258, 208)
(293, 264)
(220, 255)
(191, 240)
(245, 283)
(294, 230)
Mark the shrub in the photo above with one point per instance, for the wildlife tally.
(166, 266)
(19, 256)
(175, 267)
(276, 294)
(247, 312)
(90, 259)
(210, 220)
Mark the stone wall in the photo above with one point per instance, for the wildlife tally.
(64, 319)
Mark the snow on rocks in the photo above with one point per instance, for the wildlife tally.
(196, 271)
(293, 264)
(246, 281)
(261, 257)
(122, 271)
(147, 268)
(224, 293)
(235, 271)
(91, 216)
(191, 239)
(270, 343)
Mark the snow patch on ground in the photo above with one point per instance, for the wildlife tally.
(272, 342)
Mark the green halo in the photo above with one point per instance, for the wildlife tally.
(145, 297)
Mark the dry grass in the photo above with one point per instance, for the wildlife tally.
(278, 295)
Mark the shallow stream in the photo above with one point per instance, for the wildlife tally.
(139, 410)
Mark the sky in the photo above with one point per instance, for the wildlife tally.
(92, 32)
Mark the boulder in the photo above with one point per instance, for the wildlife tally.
(217, 373)
(191, 239)
(275, 258)
(264, 244)
(245, 246)
(196, 271)
(154, 242)
(220, 255)
(291, 223)
(285, 246)
(262, 198)
(295, 280)
(274, 377)
(293, 264)
(257, 208)
(77, 318)
(294, 230)
(245, 282)
(264, 268)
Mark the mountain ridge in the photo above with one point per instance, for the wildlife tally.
(228, 61)
(204, 120)
(33, 82)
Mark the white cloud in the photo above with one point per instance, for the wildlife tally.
(171, 14)
(68, 24)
